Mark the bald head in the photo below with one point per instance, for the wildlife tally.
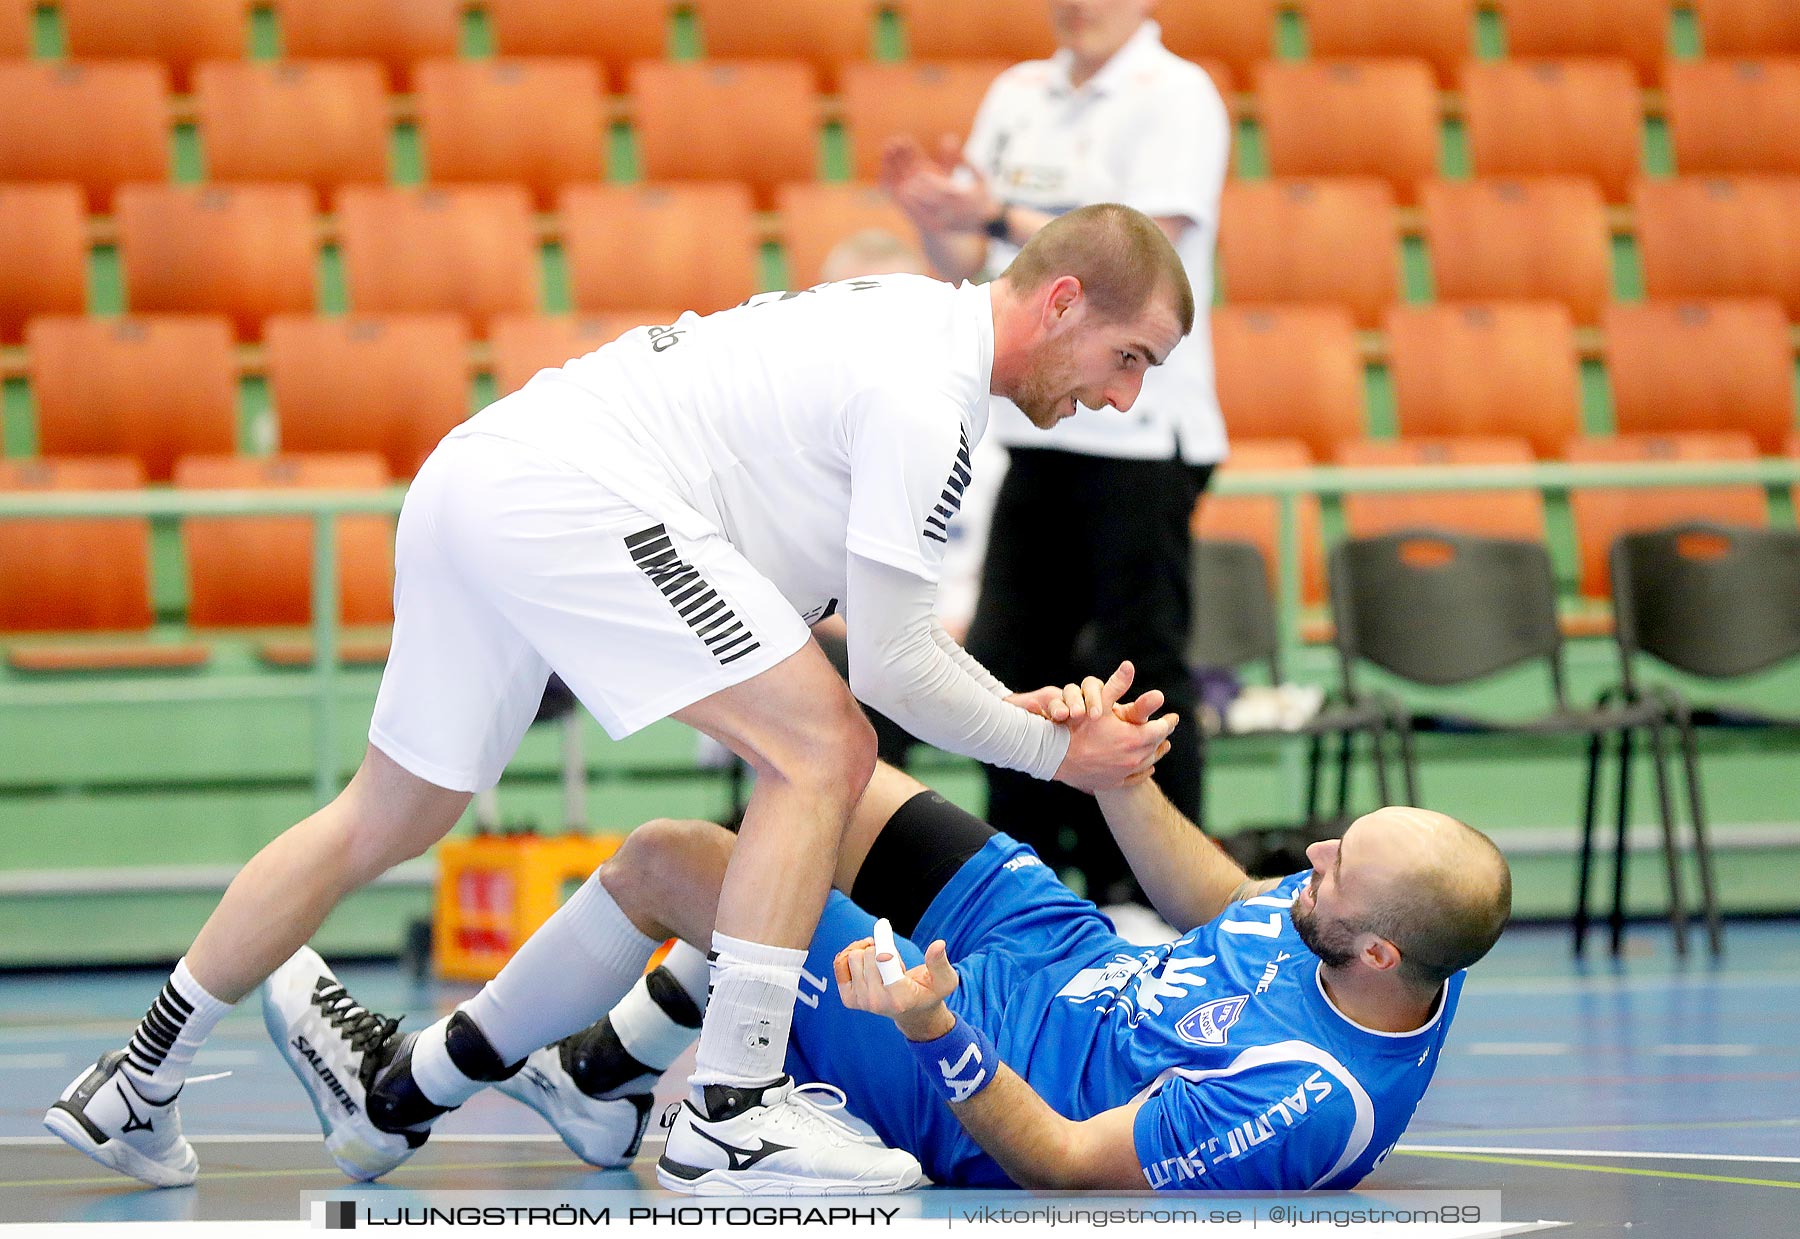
(1438, 889)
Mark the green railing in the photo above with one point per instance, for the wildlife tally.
(1288, 487)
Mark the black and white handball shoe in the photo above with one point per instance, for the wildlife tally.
(337, 1049)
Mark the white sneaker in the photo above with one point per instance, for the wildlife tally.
(335, 1046)
(777, 1140)
(102, 1114)
(601, 1132)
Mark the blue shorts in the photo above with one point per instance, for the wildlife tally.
(1006, 919)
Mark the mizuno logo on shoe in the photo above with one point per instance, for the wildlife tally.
(325, 1074)
(133, 1122)
(538, 1078)
(742, 1159)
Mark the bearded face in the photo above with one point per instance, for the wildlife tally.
(1048, 392)
(1332, 940)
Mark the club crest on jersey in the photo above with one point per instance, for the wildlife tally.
(1208, 1023)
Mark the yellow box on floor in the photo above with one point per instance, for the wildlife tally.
(494, 890)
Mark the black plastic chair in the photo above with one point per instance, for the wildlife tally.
(1233, 625)
(1718, 602)
(1444, 609)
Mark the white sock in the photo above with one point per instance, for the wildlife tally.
(567, 975)
(163, 1045)
(654, 1025)
(744, 1039)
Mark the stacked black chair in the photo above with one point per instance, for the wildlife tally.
(1233, 626)
(1718, 602)
(1443, 609)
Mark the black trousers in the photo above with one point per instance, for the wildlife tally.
(1087, 566)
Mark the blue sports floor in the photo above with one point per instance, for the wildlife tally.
(1645, 1098)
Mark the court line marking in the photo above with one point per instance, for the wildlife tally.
(1632, 1153)
(337, 1176)
(315, 1138)
(1600, 1127)
(1543, 1164)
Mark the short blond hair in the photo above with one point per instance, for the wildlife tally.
(1120, 255)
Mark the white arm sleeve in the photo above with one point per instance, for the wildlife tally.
(900, 665)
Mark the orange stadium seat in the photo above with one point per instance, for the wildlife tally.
(693, 245)
(1009, 30)
(922, 101)
(1496, 513)
(1486, 369)
(177, 32)
(1237, 32)
(1603, 513)
(469, 250)
(150, 386)
(826, 32)
(1748, 27)
(74, 574)
(394, 385)
(242, 250)
(1289, 372)
(1716, 237)
(527, 343)
(396, 32)
(1350, 118)
(1721, 366)
(1532, 117)
(1543, 238)
(1735, 115)
(1298, 240)
(15, 28)
(43, 254)
(816, 216)
(97, 124)
(1256, 519)
(1637, 30)
(323, 122)
(751, 121)
(255, 570)
(539, 121)
(1441, 32)
(1793, 449)
(614, 34)
(1224, 79)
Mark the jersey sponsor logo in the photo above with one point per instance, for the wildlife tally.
(1137, 984)
(1024, 860)
(937, 521)
(1291, 1110)
(1187, 1166)
(1209, 1023)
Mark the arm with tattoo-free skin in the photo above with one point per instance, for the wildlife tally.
(1033, 1144)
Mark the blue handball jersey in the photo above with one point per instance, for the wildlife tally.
(1252, 1079)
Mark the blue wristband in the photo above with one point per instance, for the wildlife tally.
(961, 1063)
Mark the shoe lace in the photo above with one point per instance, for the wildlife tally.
(805, 1113)
(363, 1029)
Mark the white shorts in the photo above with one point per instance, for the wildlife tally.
(510, 564)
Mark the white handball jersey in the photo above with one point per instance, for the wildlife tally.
(1148, 130)
(798, 425)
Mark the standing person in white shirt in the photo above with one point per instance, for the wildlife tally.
(1087, 559)
(658, 522)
